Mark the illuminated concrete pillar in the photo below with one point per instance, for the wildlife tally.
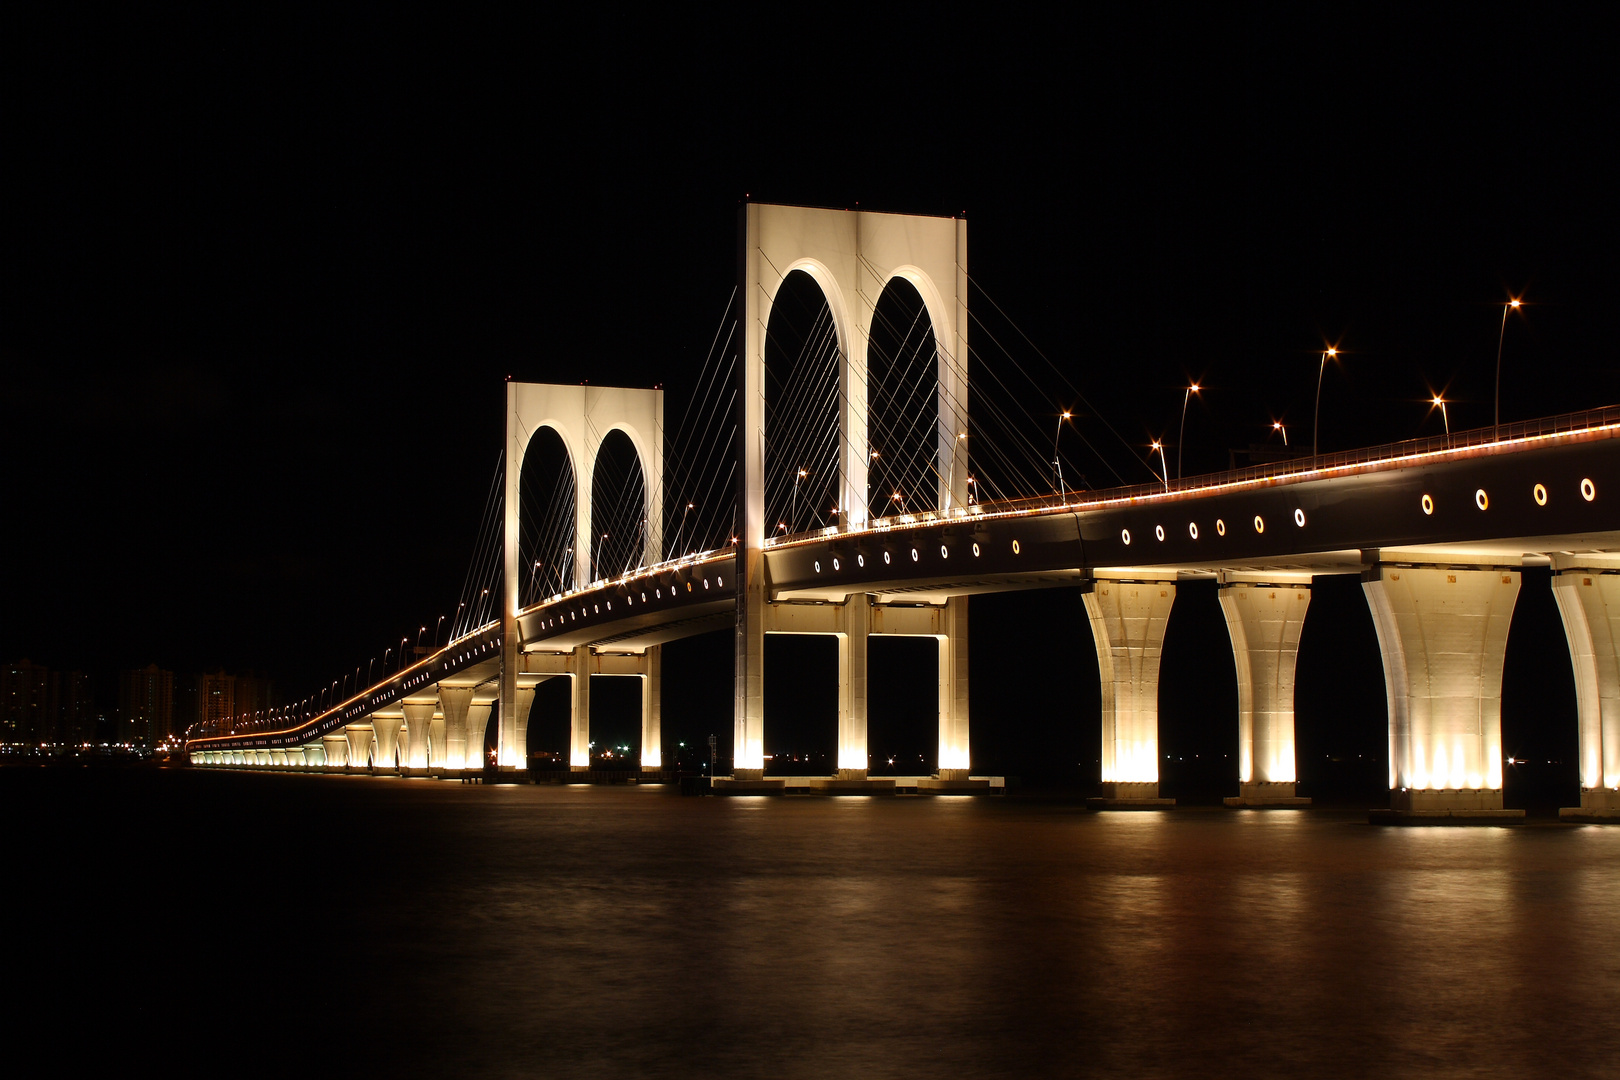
(292, 757)
(652, 711)
(1587, 588)
(579, 709)
(336, 758)
(477, 721)
(263, 758)
(315, 755)
(1443, 632)
(953, 690)
(748, 667)
(418, 727)
(360, 738)
(385, 750)
(855, 620)
(1264, 616)
(453, 704)
(278, 758)
(1128, 620)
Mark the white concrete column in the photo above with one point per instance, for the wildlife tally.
(855, 620)
(315, 754)
(385, 751)
(418, 725)
(1264, 617)
(453, 703)
(652, 711)
(477, 721)
(360, 738)
(748, 682)
(336, 752)
(520, 723)
(1587, 588)
(1128, 620)
(278, 758)
(1443, 632)
(954, 761)
(264, 758)
(579, 709)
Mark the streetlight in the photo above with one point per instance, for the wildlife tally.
(682, 529)
(1057, 460)
(1159, 446)
(793, 511)
(1190, 391)
(1500, 334)
(1440, 401)
(1277, 425)
(1316, 422)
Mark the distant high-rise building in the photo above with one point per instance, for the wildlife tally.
(216, 702)
(28, 705)
(145, 705)
(75, 708)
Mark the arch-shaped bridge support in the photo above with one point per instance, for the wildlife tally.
(1128, 621)
(1442, 631)
(852, 255)
(582, 416)
(1264, 616)
(336, 758)
(1587, 588)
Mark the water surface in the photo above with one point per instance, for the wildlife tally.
(353, 925)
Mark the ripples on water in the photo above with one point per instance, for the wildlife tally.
(429, 928)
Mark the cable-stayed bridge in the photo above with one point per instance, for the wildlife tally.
(829, 477)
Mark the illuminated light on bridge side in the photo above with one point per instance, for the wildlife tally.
(1539, 493)
(1588, 489)
(1428, 505)
(1259, 524)
(1482, 500)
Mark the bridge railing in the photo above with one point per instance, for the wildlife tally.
(1294, 468)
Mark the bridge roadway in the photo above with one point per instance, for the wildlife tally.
(1478, 505)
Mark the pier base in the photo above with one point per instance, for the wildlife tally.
(1129, 795)
(1267, 795)
(1446, 806)
(1599, 806)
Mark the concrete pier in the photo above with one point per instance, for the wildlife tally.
(1128, 620)
(1442, 632)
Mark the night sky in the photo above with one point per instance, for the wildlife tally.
(263, 280)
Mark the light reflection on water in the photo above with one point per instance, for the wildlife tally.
(583, 931)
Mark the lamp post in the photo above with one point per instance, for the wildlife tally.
(1159, 446)
(1057, 459)
(1500, 334)
(1440, 401)
(682, 529)
(1277, 425)
(1316, 421)
(793, 511)
(1186, 395)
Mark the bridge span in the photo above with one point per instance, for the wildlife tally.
(1438, 530)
